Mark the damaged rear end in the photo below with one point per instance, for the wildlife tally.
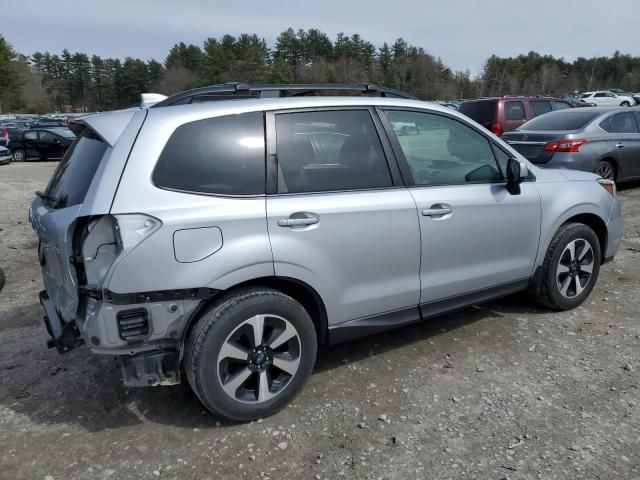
(80, 244)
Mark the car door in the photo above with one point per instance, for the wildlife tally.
(339, 218)
(30, 142)
(477, 239)
(624, 140)
(49, 145)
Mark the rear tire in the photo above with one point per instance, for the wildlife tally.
(237, 360)
(19, 155)
(570, 269)
(605, 169)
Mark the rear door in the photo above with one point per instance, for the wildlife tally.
(30, 143)
(53, 217)
(624, 139)
(338, 217)
(476, 237)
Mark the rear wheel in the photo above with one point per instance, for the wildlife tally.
(250, 354)
(570, 269)
(606, 170)
(19, 155)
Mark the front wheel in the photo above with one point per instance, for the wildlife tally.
(19, 155)
(570, 269)
(625, 104)
(250, 353)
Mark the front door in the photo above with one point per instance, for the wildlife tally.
(339, 220)
(476, 236)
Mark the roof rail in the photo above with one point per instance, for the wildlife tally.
(237, 90)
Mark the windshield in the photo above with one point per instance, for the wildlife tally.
(561, 120)
(72, 178)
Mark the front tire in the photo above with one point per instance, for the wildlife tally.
(250, 354)
(19, 155)
(570, 269)
(625, 104)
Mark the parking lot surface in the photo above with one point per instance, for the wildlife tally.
(504, 390)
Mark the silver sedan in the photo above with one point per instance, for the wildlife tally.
(596, 139)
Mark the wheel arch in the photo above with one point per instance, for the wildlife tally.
(596, 224)
(300, 291)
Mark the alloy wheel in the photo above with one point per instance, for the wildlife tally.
(259, 359)
(605, 170)
(575, 268)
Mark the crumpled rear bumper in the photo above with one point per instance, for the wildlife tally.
(64, 336)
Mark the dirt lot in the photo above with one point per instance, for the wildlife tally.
(501, 390)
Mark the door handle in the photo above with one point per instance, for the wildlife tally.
(437, 211)
(297, 222)
(619, 145)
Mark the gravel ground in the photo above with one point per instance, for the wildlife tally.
(504, 390)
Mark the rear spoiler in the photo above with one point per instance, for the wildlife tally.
(149, 99)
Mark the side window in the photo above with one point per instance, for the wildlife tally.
(559, 105)
(502, 158)
(514, 111)
(31, 135)
(623, 123)
(540, 108)
(444, 151)
(223, 155)
(600, 95)
(47, 137)
(329, 151)
(610, 95)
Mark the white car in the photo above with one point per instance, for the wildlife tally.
(605, 98)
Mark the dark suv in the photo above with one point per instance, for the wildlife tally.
(503, 114)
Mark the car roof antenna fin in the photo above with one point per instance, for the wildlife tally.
(149, 99)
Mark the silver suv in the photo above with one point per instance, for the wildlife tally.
(224, 233)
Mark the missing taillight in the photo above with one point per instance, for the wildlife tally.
(565, 146)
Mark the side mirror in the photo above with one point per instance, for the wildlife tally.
(517, 172)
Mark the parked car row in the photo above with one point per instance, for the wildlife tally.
(36, 140)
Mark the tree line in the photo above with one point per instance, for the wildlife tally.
(77, 82)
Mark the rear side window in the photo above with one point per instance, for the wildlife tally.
(559, 105)
(329, 151)
(73, 176)
(31, 135)
(483, 111)
(566, 120)
(223, 155)
(621, 123)
(514, 111)
(540, 108)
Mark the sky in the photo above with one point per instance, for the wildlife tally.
(461, 32)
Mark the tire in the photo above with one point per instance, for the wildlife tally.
(605, 169)
(1, 279)
(19, 155)
(560, 267)
(625, 104)
(232, 387)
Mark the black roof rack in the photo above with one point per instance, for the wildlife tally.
(236, 90)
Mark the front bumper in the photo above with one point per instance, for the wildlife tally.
(614, 230)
